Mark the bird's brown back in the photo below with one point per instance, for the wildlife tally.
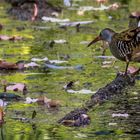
(126, 43)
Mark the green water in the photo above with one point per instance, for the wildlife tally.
(50, 82)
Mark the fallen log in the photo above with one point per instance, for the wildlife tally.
(32, 9)
(79, 117)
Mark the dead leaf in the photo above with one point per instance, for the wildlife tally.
(31, 64)
(3, 103)
(13, 38)
(39, 59)
(49, 102)
(1, 115)
(51, 19)
(101, 1)
(30, 100)
(10, 65)
(132, 70)
(114, 6)
(7, 65)
(16, 87)
(106, 66)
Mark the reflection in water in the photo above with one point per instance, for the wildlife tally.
(2, 133)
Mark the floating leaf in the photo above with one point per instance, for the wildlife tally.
(82, 91)
(1, 115)
(49, 102)
(120, 115)
(71, 24)
(13, 38)
(132, 70)
(30, 100)
(57, 61)
(16, 87)
(78, 67)
(113, 6)
(7, 65)
(67, 3)
(112, 124)
(3, 103)
(40, 59)
(51, 19)
(60, 41)
(81, 120)
(31, 64)
(101, 1)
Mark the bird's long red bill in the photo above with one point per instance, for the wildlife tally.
(98, 38)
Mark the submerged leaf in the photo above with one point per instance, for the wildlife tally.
(34, 114)
(39, 59)
(67, 3)
(7, 65)
(10, 96)
(30, 100)
(72, 24)
(1, 115)
(49, 102)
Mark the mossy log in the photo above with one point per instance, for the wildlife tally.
(25, 9)
(79, 116)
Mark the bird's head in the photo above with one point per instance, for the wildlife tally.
(105, 35)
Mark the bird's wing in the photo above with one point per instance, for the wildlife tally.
(128, 42)
(129, 35)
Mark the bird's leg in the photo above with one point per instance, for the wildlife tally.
(104, 47)
(127, 64)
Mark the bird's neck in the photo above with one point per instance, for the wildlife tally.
(109, 37)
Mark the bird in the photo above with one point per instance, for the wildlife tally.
(125, 45)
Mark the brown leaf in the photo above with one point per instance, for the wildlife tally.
(10, 65)
(16, 87)
(49, 102)
(7, 65)
(1, 115)
(101, 1)
(13, 38)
